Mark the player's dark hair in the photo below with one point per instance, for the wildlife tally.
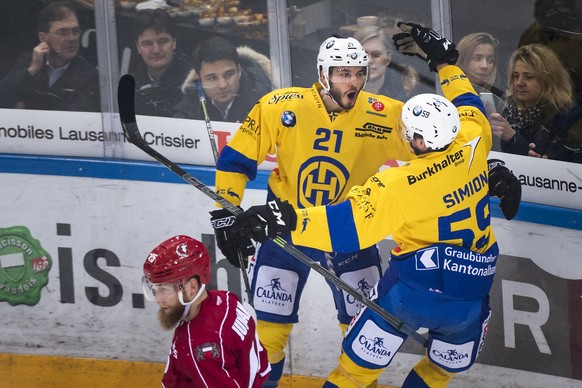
(158, 19)
(54, 12)
(212, 50)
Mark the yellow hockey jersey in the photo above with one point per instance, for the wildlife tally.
(318, 158)
(437, 198)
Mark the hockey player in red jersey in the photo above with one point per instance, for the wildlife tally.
(215, 342)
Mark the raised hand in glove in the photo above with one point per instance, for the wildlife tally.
(267, 221)
(426, 44)
(228, 238)
(506, 186)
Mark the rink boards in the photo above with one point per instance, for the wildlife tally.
(89, 225)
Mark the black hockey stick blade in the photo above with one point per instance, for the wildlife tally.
(125, 94)
(126, 98)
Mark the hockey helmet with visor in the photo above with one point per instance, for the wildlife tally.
(339, 52)
(172, 262)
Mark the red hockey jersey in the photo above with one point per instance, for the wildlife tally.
(218, 348)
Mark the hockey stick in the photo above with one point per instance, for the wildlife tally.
(241, 262)
(125, 96)
(202, 99)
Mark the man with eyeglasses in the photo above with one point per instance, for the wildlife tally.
(160, 72)
(233, 80)
(54, 76)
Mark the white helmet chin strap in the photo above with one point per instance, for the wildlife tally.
(326, 78)
(189, 304)
(327, 88)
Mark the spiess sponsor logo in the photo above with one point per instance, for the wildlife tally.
(24, 266)
(284, 97)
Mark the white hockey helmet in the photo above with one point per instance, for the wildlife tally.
(433, 117)
(339, 52)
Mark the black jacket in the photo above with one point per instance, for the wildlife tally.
(559, 136)
(254, 84)
(159, 98)
(76, 90)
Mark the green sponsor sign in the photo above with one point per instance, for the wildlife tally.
(24, 266)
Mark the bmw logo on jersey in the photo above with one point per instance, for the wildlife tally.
(288, 119)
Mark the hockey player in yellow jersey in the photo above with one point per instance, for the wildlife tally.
(327, 138)
(436, 207)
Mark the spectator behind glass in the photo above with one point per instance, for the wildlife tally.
(478, 59)
(233, 80)
(558, 25)
(541, 119)
(53, 76)
(159, 75)
(397, 81)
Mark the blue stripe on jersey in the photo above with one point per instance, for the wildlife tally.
(470, 99)
(233, 161)
(342, 229)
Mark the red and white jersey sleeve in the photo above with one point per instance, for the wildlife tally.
(218, 348)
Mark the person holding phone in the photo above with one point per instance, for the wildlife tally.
(541, 111)
(53, 76)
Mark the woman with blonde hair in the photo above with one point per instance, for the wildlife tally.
(478, 59)
(540, 109)
(385, 77)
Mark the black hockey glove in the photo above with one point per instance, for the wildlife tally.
(266, 221)
(426, 44)
(506, 186)
(229, 239)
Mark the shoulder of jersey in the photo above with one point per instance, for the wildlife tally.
(379, 105)
(380, 97)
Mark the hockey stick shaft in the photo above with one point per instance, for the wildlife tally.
(126, 91)
(202, 99)
(241, 262)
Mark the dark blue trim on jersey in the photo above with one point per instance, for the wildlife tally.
(233, 161)
(156, 172)
(342, 229)
(470, 99)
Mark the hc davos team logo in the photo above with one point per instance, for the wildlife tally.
(288, 119)
(24, 267)
(320, 180)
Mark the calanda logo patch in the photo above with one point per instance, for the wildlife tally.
(24, 267)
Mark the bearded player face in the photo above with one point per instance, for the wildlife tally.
(171, 310)
(346, 82)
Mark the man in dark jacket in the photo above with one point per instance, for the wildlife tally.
(53, 76)
(160, 72)
(233, 80)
